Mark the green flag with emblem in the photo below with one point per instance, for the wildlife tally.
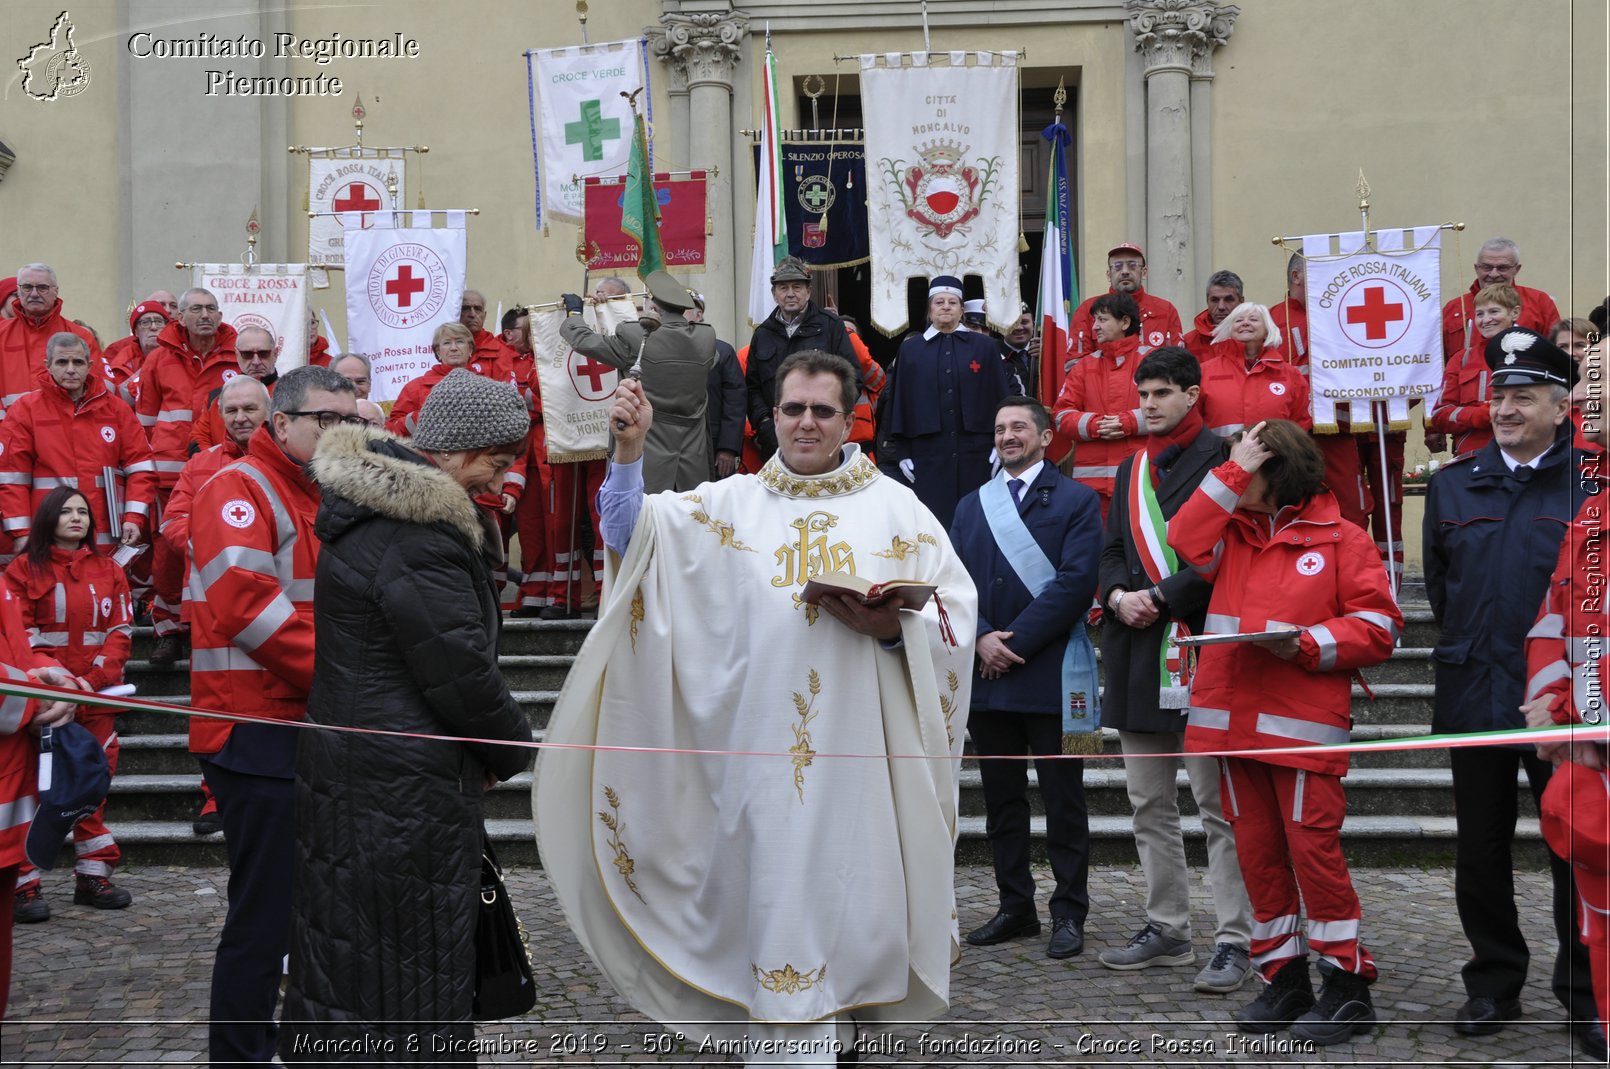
(640, 208)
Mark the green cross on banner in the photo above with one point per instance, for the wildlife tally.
(816, 197)
(592, 130)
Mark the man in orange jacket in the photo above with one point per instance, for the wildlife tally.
(491, 357)
(1126, 273)
(253, 558)
(72, 432)
(1497, 262)
(255, 351)
(38, 315)
(193, 353)
(1224, 292)
(126, 356)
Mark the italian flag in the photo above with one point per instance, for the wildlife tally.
(1059, 288)
(771, 225)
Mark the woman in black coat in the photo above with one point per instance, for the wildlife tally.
(389, 829)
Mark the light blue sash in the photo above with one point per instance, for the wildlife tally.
(1081, 696)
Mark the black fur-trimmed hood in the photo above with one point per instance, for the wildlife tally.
(379, 474)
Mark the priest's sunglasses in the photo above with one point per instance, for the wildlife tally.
(330, 419)
(795, 409)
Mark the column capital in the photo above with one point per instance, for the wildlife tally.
(701, 48)
(1180, 35)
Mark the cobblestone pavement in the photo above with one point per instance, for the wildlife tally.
(130, 988)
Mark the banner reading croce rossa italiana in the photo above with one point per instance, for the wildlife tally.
(271, 296)
(402, 283)
(1374, 323)
(345, 186)
(942, 176)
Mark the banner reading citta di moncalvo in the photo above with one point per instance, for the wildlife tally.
(942, 176)
(1374, 324)
(402, 283)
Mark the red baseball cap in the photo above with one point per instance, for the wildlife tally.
(1128, 246)
(145, 307)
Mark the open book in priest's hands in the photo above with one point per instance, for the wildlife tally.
(910, 593)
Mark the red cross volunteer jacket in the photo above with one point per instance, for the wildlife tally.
(253, 556)
(1234, 396)
(49, 440)
(169, 381)
(1100, 385)
(1303, 568)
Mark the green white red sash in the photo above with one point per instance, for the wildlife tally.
(1149, 532)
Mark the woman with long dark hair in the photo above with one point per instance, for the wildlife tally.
(76, 609)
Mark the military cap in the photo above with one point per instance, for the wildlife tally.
(1521, 357)
(790, 269)
(668, 292)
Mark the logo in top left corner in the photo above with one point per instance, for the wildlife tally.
(55, 69)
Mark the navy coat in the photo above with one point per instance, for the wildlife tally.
(1065, 520)
(1491, 543)
(939, 412)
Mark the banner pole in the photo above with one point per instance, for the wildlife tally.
(572, 568)
(1378, 410)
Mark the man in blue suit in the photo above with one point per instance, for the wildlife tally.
(1031, 539)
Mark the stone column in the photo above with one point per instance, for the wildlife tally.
(1217, 33)
(1168, 34)
(704, 49)
(675, 146)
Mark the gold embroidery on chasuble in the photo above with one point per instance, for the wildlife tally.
(623, 860)
(637, 616)
(788, 980)
(811, 555)
(901, 548)
(947, 705)
(720, 528)
(806, 710)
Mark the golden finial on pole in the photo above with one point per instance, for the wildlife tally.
(357, 119)
(1060, 98)
(581, 16)
(1363, 189)
(252, 228)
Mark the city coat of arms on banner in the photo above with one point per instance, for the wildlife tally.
(942, 198)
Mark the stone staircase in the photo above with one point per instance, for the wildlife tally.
(1400, 804)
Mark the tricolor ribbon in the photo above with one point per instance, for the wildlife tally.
(1510, 737)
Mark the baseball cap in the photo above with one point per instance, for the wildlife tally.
(73, 781)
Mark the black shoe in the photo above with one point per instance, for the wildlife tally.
(101, 893)
(1590, 1038)
(168, 649)
(1004, 926)
(526, 612)
(30, 907)
(1067, 938)
(1484, 1016)
(1284, 999)
(557, 612)
(1344, 1009)
(208, 823)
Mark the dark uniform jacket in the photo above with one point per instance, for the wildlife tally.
(1065, 520)
(939, 413)
(1129, 657)
(725, 400)
(1492, 538)
(817, 329)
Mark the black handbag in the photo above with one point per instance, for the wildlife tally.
(504, 986)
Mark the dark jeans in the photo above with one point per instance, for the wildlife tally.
(1484, 799)
(260, 837)
(1067, 819)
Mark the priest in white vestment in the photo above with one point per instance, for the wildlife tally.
(800, 896)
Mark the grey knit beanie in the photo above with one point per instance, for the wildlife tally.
(470, 411)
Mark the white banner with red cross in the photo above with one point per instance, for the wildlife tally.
(942, 176)
(347, 187)
(402, 283)
(576, 390)
(271, 296)
(1374, 323)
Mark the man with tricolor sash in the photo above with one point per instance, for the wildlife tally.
(1151, 598)
(1031, 539)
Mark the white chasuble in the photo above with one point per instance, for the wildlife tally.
(784, 888)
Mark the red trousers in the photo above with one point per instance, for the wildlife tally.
(1345, 476)
(168, 568)
(96, 852)
(573, 494)
(1288, 836)
(531, 525)
(1387, 490)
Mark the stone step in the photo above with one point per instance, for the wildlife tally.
(1367, 840)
